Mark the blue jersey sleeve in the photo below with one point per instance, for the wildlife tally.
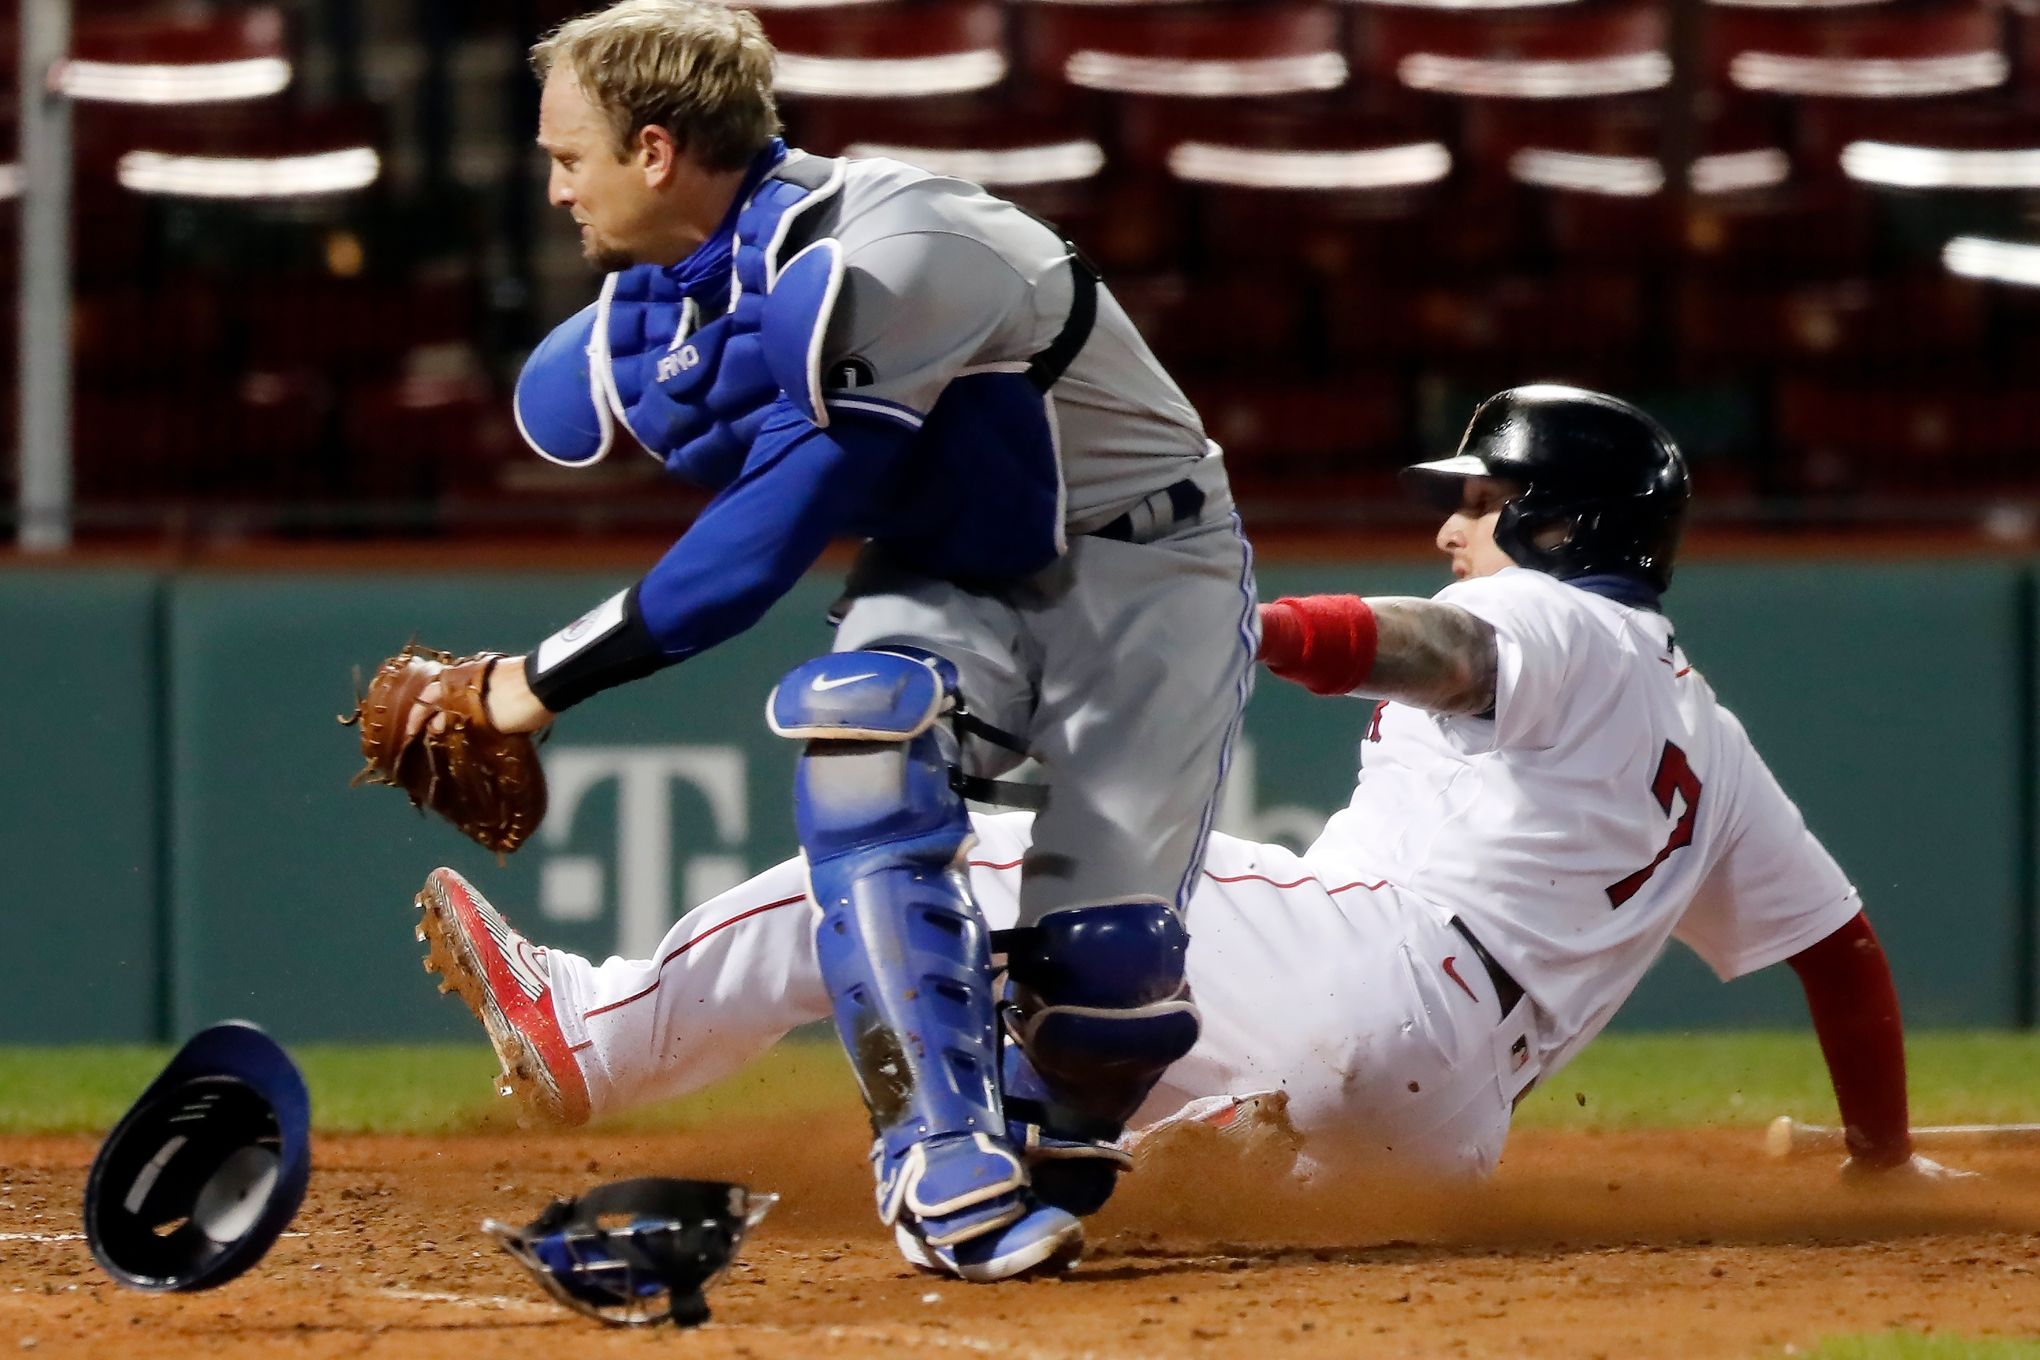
(800, 487)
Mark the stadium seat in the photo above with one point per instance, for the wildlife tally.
(177, 56)
(1862, 52)
(1311, 174)
(1933, 434)
(408, 438)
(1554, 52)
(353, 325)
(1614, 148)
(1262, 320)
(910, 49)
(1977, 142)
(236, 151)
(180, 326)
(1000, 143)
(1309, 447)
(1223, 50)
(1497, 329)
(1757, 323)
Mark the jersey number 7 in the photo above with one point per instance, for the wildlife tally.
(1674, 776)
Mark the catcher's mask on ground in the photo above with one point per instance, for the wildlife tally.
(614, 1251)
(203, 1174)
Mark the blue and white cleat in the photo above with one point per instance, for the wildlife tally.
(1042, 1241)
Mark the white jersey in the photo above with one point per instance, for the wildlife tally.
(1607, 804)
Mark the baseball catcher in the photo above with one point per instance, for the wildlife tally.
(1052, 567)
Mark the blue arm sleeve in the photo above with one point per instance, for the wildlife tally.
(800, 486)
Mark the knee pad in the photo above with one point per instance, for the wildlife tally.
(902, 947)
(1099, 1009)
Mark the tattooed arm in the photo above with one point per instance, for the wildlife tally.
(1436, 656)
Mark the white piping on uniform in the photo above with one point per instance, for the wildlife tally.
(786, 220)
(601, 368)
(1062, 486)
(820, 411)
(1243, 689)
(911, 419)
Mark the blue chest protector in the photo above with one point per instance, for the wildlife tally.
(694, 371)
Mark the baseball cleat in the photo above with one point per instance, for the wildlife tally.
(502, 978)
(1043, 1241)
(1256, 1128)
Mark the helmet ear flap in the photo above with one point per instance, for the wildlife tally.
(1523, 520)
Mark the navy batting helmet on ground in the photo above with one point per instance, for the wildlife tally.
(208, 1168)
(1602, 486)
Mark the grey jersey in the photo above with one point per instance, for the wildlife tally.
(942, 279)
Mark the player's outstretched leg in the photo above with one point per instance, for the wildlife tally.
(1099, 1008)
(904, 953)
(504, 981)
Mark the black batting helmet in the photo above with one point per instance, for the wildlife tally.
(208, 1167)
(1589, 463)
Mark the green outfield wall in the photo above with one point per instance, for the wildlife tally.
(181, 844)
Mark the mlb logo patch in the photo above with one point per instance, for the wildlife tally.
(1519, 1053)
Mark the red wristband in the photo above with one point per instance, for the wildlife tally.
(1326, 643)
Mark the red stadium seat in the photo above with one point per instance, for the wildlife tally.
(1310, 447)
(1801, 231)
(1980, 142)
(1876, 52)
(167, 56)
(1323, 180)
(1948, 436)
(181, 327)
(1563, 52)
(353, 324)
(410, 437)
(1582, 327)
(258, 440)
(917, 48)
(1261, 321)
(1001, 144)
(1187, 51)
(1614, 148)
(1758, 323)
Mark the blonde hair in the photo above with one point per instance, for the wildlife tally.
(699, 69)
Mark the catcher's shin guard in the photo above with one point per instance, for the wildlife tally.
(903, 951)
(1098, 1009)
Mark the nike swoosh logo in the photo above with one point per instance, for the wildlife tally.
(1453, 973)
(823, 685)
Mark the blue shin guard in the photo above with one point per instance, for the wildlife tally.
(904, 953)
(1099, 1009)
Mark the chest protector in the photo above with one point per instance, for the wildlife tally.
(692, 375)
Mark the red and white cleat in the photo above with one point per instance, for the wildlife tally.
(1253, 1129)
(502, 978)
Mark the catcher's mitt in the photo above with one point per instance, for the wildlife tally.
(485, 782)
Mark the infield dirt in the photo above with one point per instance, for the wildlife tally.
(1620, 1245)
